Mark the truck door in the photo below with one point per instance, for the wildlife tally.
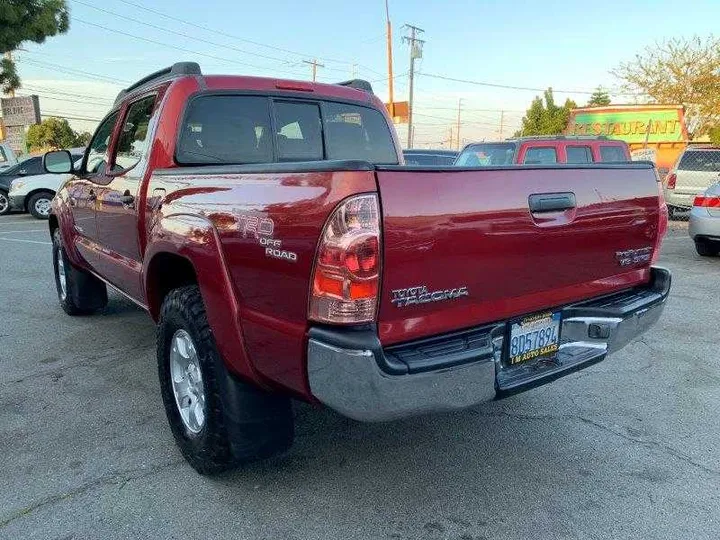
(117, 212)
(84, 190)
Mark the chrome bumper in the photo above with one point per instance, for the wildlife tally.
(350, 373)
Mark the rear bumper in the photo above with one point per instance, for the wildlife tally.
(17, 202)
(350, 372)
(703, 225)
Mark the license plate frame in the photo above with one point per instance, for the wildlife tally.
(539, 346)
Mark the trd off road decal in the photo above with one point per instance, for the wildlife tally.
(262, 229)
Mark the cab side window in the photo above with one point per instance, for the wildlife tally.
(133, 141)
(97, 154)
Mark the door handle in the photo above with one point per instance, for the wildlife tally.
(127, 200)
(551, 202)
(92, 196)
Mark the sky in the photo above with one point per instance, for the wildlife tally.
(569, 45)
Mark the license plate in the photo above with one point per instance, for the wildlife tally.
(534, 336)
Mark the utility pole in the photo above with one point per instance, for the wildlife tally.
(315, 64)
(502, 118)
(8, 56)
(415, 53)
(457, 131)
(354, 71)
(391, 93)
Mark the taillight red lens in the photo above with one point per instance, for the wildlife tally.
(346, 278)
(671, 181)
(707, 202)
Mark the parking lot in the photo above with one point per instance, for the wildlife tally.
(626, 449)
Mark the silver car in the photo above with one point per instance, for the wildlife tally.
(696, 169)
(704, 224)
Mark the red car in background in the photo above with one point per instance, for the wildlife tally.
(543, 151)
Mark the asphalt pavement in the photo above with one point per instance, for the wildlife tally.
(629, 448)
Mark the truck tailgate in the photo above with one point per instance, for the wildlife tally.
(463, 247)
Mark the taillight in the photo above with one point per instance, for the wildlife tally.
(671, 181)
(662, 224)
(346, 279)
(707, 202)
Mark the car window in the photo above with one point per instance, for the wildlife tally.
(700, 160)
(579, 154)
(486, 155)
(356, 132)
(540, 155)
(612, 153)
(226, 129)
(133, 139)
(299, 136)
(428, 160)
(97, 152)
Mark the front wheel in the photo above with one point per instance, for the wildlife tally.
(217, 420)
(79, 292)
(4, 203)
(39, 204)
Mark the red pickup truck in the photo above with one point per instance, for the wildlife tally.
(272, 231)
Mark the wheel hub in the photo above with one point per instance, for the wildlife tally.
(42, 207)
(4, 203)
(187, 383)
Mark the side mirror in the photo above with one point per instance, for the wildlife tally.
(58, 162)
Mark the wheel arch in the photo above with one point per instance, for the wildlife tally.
(35, 192)
(166, 271)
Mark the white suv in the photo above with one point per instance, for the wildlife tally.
(697, 169)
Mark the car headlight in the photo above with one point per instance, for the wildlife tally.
(16, 185)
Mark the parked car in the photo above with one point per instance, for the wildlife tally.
(704, 226)
(28, 167)
(285, 253)
(430, 158)
(7, 156)
(33, 193)
(695, 170)
(543, 151)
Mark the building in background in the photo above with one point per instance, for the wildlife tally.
(18, 114)
(656, 133)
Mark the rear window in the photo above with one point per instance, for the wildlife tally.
(429, 160)
(355, 132)
(700, 160)
(540, 155)
(579, 154)
(612, 153)
(237, 129)
(486, 155)
(299, 136)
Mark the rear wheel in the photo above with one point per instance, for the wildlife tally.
(707, 248)
(79, 292)
(4, 203)
(39, 204)
(217, 420)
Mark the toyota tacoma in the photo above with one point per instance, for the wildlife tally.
(273, 233)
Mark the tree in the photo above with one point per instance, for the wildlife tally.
(546, 118)
(679, 71)
(27, 20)
(599, 98)
(54, 133)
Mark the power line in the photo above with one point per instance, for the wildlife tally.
(187, 36)
(509, 87)
(68, 100)
(63, 115)
(219, 32)
(60, 93)
(73, 71)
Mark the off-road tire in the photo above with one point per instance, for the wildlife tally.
(32, 201)
(707, 248)
(242, 422)
(84, 293)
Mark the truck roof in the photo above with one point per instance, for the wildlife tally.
(354, 89)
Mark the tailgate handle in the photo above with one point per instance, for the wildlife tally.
(551, 202)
